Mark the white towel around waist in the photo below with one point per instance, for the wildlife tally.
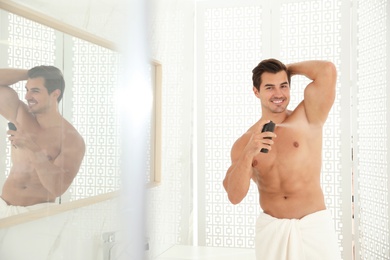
(311, 238)
(11, 210)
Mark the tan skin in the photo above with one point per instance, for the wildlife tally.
(288, 176)
(47, 150)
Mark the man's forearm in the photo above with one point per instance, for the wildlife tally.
(311, 69)
(10, 76)
(237, 180)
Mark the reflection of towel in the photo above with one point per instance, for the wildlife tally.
(11, 210)
(310, 238)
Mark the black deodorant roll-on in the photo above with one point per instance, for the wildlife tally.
(269, 127)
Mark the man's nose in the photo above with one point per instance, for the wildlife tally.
(278, 92)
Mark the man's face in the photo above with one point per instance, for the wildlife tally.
(274, 92)
(37, 97)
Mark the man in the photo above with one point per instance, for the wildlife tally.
(47, 150)
(295, 223)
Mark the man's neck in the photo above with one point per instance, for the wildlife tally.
(48, 120)
(277, 118)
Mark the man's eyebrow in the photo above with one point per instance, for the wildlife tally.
(33, 88)
(272, 85)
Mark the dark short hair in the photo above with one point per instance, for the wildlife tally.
(271, 66)
(53, 77)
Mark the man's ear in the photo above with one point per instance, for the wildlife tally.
(56, 93)
(256, 92)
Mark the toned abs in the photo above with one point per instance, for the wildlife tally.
(288, 177)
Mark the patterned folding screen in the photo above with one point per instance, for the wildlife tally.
(95, 79)
(372, 175)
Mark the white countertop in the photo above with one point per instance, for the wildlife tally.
(211, 253)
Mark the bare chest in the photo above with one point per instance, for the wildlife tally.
(294, 153)
(285, 150)
(49, 142)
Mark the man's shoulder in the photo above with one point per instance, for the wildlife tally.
(242, 140)
(301, 115)
(71, 133)
(298, 114)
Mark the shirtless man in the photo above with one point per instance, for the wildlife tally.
(47, 150)
(288, 176)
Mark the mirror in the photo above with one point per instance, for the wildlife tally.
(91, 72)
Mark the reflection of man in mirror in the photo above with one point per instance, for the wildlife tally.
(294, 223)
(47, 150)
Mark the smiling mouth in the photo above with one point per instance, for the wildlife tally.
(278, 101)
(31, 103)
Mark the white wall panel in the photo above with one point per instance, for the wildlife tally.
(169, 207)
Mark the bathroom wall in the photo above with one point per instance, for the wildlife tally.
(169, 207)
(78, 234)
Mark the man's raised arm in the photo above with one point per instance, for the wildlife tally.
(11, 76)
(9, 100)
(320, 93)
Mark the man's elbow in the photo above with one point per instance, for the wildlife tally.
(234, 199)
(60, 188)
(57, 191)
(330, 70)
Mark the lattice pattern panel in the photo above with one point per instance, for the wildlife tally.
(95, 80)
(30, 44)
(232, 49)
(372, 98)
(311, 30)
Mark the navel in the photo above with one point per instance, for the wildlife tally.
(296, 144)
(254, 163)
